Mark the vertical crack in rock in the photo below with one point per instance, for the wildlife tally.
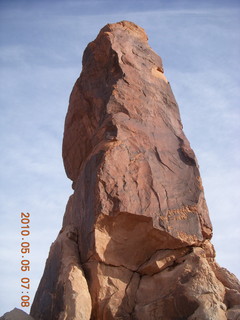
(160, 160)
(135, 241)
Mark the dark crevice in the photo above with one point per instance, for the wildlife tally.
(186, 154)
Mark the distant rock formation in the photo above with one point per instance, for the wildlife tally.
(135, 241)
(16, 314)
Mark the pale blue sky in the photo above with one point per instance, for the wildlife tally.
(41, 50)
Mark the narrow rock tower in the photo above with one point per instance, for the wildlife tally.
(135, 241)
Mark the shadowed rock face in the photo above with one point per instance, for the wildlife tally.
(135, 242)
(16, 314)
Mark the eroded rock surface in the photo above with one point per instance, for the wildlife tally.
(135, 242)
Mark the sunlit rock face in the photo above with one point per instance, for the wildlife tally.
(135, 241)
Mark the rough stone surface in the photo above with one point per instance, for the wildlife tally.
(63, 291)
(135, 242)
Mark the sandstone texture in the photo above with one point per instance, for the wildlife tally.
(135, 241)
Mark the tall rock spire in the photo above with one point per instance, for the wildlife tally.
(135, 241)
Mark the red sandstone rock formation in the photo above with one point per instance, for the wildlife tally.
(135, 241)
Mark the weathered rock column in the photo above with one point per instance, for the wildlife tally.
(135, 242)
